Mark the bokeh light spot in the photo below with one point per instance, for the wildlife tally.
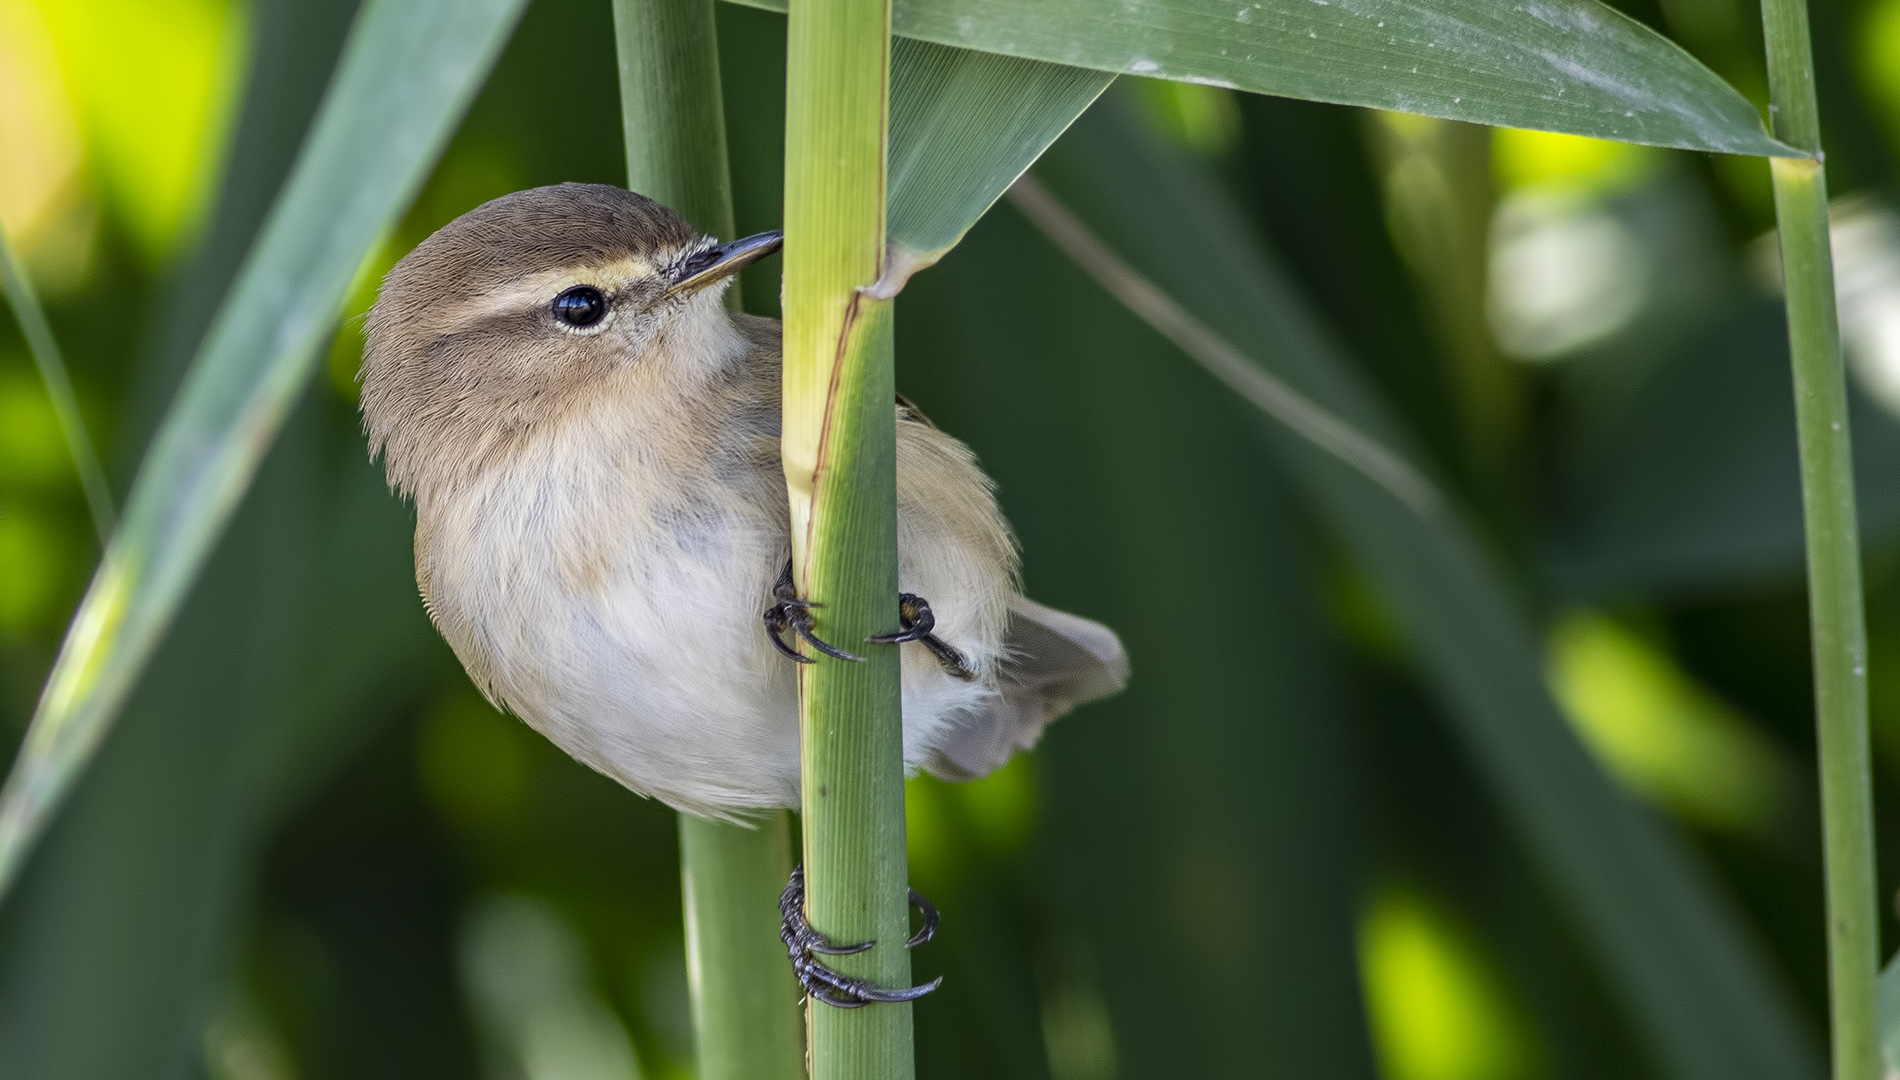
(42, 205)
(153, 84)
(1437, 1008)
(1524, 158)
(1659, 731)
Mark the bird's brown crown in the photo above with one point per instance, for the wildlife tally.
(467, 346)
(534, 231)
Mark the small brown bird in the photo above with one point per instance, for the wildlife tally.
(592, 443)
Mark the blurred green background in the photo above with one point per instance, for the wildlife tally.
(310, 850)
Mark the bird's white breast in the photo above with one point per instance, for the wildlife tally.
(613, 602)
(606, 583)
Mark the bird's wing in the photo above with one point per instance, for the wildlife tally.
(1055, 662)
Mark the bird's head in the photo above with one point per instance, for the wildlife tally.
(521, 308)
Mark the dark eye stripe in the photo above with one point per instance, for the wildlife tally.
(582, 305)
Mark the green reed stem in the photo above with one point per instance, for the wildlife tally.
(840, 471)
(59, 387)
(673, 111)
(745, 1001)
(1833, 540)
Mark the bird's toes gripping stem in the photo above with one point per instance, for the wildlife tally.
(793, 614)
(915, 622)
(834, 988)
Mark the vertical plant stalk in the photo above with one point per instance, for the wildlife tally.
(59, 387)
(745, 1001)
(1827, 495)
(673, 111)
(840, 472)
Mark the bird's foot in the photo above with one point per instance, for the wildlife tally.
(835, 988)
(915, 622)
(791, 617)
(793, 614)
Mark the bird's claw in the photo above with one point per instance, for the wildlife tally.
(835, 988)
(915, 622)
(929, 929)
(794, 614)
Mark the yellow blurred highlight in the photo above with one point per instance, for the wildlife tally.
(476, 762)
(151, 85)
(33, 567)
(1524, 158)
(1202, 119)
(1410, 127)
(90, 642)
(1659, 731)
(40, 147)
(1437, 1007)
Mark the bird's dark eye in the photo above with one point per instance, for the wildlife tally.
(582, 305)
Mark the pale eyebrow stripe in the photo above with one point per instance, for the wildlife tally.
(532, 291)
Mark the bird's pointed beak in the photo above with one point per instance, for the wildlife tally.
(716, 264)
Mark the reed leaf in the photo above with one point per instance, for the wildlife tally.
(1692, 981)
(964, 125)
(156, 850)
(118, 933)
(1575, 66)
(408, 72)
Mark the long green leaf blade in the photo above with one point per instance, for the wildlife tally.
(1576, 66)
(408, 73)
(964, 126)
(1693, 982)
